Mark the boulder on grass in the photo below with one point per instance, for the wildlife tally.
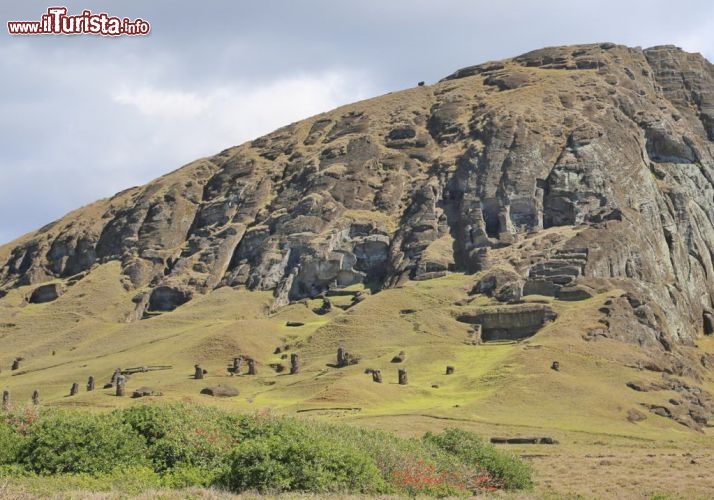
(144, 391)
(221, 391)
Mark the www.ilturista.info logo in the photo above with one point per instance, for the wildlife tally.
(57, 22)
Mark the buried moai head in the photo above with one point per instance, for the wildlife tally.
(344, 358)
(402, 376)
(294, 364)
(121, 385)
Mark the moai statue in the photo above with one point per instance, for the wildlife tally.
(90, 384)
(35, 397)
(115, 375)
(16, 364)
(294, 364)
(5, 400)
(121, 385)
(377, 376)
(402, 376)
(555, 366)
(251, 366)
(477, 334)
(74, 390)
(449, 370)
(198, 373)
(539, 195)
(236, 366)
(344, 358)
(505, 225)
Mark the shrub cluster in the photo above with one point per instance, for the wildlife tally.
(179, 446)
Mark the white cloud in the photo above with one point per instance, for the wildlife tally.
(162, 103)
(213, 117)
(104, 130)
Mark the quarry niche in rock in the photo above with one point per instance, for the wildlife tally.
(166, 298)
(46, 293)
(513, 322)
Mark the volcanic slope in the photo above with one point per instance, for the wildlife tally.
(553, 207)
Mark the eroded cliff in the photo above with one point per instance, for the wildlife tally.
(612, 143)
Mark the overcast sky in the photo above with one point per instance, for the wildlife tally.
(82, 117)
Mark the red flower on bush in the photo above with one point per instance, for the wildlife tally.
(423, 477)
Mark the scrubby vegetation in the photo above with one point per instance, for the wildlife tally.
(179, 446)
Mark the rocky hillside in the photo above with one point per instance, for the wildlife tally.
(612, 144)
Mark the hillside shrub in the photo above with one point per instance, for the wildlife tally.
(300, 462)
(505, 470)
(11, 441)
(182, 446)
(81, 442)
(186, 436)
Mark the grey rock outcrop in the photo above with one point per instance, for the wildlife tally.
(612, 143)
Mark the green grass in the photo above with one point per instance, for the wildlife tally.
(497, 389)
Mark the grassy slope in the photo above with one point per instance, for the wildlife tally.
(505, 389)
(498, 389)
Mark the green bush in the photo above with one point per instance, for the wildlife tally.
(181, 446)
(300, 461)
(179, 435)
(507, 471)
(186, 476)
(410, 466)
(81, 442)
(11, 441)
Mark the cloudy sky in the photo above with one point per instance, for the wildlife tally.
(82, 117)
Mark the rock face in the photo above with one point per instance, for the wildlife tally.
(612, 143)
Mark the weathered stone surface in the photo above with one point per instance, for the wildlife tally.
(399, 358)
(221, 391)
(615, 147)
(144, 391)
(501, 283)
(524, 440)
(575, 292)
(634, 416)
